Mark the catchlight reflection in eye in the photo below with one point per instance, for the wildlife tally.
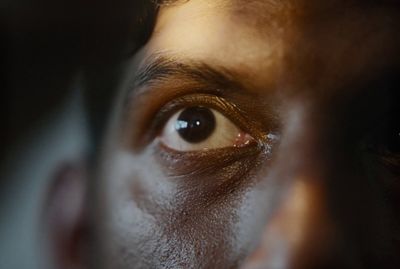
(199, 128)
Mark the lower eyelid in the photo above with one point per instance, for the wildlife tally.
(148, 132)
(179, 163)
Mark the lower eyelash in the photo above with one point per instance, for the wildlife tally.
(214, 102)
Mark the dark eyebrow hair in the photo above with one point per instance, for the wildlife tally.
(160, 68)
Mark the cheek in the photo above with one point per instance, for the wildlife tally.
(202, 221)
(129, 231)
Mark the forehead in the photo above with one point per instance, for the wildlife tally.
(298, 40)
(213, 31)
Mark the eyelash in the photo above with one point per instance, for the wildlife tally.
(197, 164)
(228, 109)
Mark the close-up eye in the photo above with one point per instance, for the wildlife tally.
(199, 128)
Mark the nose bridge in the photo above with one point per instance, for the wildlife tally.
(305, 147)
(333, 202)
(305, 224)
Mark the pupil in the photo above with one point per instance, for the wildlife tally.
(195, 124)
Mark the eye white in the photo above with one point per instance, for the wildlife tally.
(225, 134)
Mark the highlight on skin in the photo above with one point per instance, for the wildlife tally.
(298, 169)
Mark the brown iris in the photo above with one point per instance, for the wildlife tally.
(195, 124)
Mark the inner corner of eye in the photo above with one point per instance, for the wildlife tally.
(199, 128)
(243, 139)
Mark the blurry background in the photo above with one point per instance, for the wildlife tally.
(61, 62)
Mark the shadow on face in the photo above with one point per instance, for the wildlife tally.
(256, 135)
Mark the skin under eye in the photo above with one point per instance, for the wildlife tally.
(199, 128)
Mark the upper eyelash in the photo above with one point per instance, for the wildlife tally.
(162, 115)
(159, 117)
(214, 102)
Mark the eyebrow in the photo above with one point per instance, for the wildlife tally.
(160, 68)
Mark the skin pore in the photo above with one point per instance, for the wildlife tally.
(312, 88)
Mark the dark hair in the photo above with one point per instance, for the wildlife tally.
(101, 79)
(167, 2)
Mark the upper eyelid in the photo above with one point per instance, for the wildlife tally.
(161, 79)
(223, 106)
(226, 108)
(160, 75)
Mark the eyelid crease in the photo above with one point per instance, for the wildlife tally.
(232, 112)
(166, 78)
(153, 127)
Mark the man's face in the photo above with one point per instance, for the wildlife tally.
(257, 133)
